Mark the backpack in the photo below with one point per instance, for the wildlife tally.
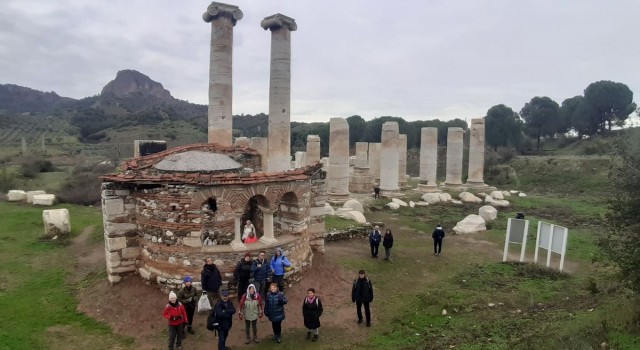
(212, 322)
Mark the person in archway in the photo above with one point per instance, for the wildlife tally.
(247, 230)
(278, 264)
(211, 280)
(242, 273)
(251, 238)
(437, 235)
(362, 295)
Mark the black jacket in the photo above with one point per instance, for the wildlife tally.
(243, 270)
(438, 233)
(311, 313)
(362, 290)
(211, 279)
(224, 314)
(387, 241)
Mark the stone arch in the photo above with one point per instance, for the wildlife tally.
(253, 211)
(216, 223)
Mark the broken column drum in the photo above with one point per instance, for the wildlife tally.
(389, 157)
(455, 143)
(313, 149)
(476, 153)
(338, 169)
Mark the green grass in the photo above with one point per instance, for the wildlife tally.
(332, 222)
(33, 287)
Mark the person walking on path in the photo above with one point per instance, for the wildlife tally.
(175, 313)
(311, 312)
(260, 269)
(278, 265)
(437, 235)
(242, 273)
(362, 295)
(211, 281)
(387, 243)
(188, 295)
(251, 309)
(224, 311)
(374, 241)
(274, 310)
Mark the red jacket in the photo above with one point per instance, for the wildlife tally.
(176, 315)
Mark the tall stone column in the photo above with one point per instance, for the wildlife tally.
(338, 169)
(475, 176)
(374, 161)
(389, 157)
(428, 160)
(279, 144)
(362, 154)
(223, 18)
(267, 223)
(455, 143)
(402, 166)
(313, 149)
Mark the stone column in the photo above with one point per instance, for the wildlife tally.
(428, 160)
(300, 159)
(338, 169)
(362, 154)
(455, 143)
(313, 149)
(374, 161)
(223, 18)
(279, 144)
(402, 166)
(243, 142)
(389, 157)
(267, 223)
(237, 244)
(475, 176)
(260, 145)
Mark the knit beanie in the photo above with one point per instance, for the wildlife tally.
(172, 296)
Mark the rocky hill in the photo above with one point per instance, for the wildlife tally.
(130, 81)
(19, 99)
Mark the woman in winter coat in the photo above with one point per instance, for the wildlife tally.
(242, 273)
(311, 312)
(187, 296)
(274, 309)
(251, 309)
(175, 313)
(387, 243)
(278, 264)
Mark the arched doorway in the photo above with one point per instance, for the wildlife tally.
(253, 212)
(215, 228)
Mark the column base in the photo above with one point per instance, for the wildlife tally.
(335, 198)
(423, 188)
(238, 245)
(391, 193)
(477, 185)
(268, 240)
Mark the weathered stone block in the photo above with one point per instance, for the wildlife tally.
(56, 222)
(117, 243)
(113, 206)
(192, 241)
(119, 229)
(130, 253)
(16, 196)
(121, 269)
(30, 195)
(44, 199)
(114, 278)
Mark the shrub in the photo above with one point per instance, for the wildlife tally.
(83, 187)
(7, 180)
(31, 167)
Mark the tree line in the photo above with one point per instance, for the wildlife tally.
(603, 105)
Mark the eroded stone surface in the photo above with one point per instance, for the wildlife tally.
(470, 224)
(488, 213)
(16, 196)
(56, 222)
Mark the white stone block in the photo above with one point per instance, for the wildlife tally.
(44, 199)
(422, 204)
(400, 202)
(113, 206)
(56, 222)
(117, 243)
(16, 196)
(469, 198)
(522, 194)
(354, 215)
(354, 205)
(496, 195)
(392, 205)
(470, 224)
(114, 278)
(144, 273)
(130, 253)
(488, 213)
(30, 195)
(431, 198)
(412, 204)
(119, 229)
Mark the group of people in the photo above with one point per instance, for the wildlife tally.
(375, 237)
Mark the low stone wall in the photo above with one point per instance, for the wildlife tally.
(355, 232)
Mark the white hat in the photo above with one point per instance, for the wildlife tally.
(172, 296)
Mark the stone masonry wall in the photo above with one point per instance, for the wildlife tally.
(317, 200)
(120, 230)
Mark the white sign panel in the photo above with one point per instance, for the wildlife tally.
(545, 234)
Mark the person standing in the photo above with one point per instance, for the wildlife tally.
(376, 191)
(187, 295)
(175, 313)
(224, 311)
(374, 241)
(437, 235)
(387, 243)
(278, 264)
(311, 312)
(362, 295)
(274, 310)
(260, 269)
(251, 309)
(211, 281)
(242, 274)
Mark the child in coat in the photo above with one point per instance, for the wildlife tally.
(176, 314)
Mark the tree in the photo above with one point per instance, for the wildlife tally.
(503, 127)
(356, 129)
(540, 115)
(612, 102)
(622, 242)
(580, 115)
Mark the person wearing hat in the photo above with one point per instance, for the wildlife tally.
(187, 295)
(437, 235)
(175, 313)
(362, 294)
(211, 280)
(278, 264)
(242, 273)
(224, 311)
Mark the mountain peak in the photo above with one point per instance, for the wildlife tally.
(129, 81)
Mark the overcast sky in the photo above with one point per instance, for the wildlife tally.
(413, 59)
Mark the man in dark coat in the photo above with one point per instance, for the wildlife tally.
(224, 311)
(362, 294)
(242, 274)
(437, 235)
(211, 280)
(374, 240)
(260, 269)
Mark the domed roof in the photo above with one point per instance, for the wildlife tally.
(197, 161)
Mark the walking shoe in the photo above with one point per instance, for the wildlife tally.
(190, 330)
(368, 324)
(247, 341)
(315, 337)
(359, 321)
(255, 340)
(308, 335)
(278, 339)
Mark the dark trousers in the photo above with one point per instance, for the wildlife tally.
(222, 339)
(374, 249)
(261, 287)
(248, 324)
(242, 288)
(277, 328)
(190, 308)
(437, 245)
(279, 280)
(367, 312)
(175, 335)
(387, 253)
